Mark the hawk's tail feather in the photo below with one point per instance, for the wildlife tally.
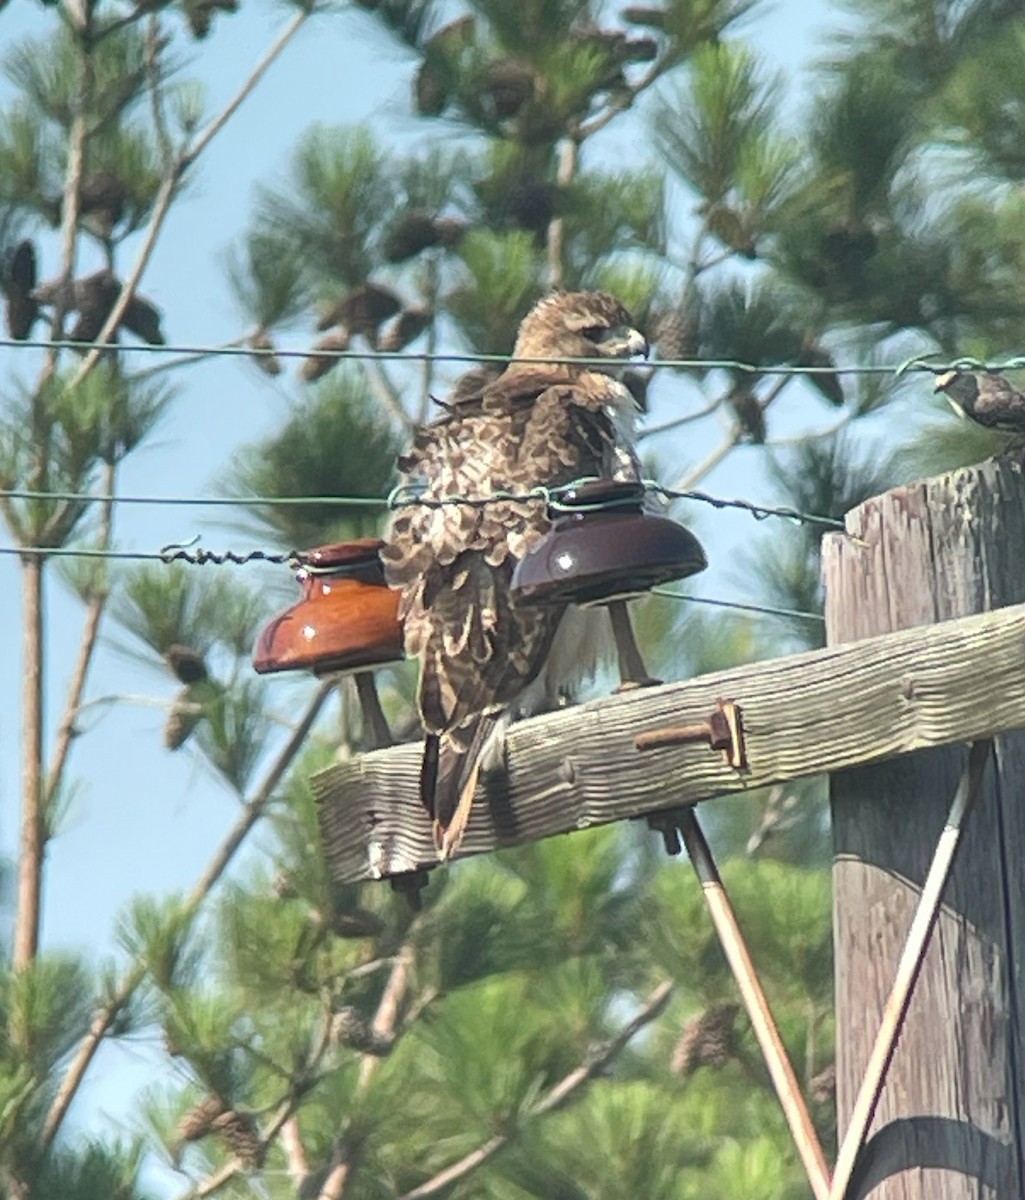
(448, 776)
(429, 772)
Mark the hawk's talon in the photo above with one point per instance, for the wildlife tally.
(631, 685)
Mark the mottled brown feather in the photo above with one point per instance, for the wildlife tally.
(534, 425)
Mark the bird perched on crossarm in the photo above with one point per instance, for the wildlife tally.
(541, 422)
(986, 398)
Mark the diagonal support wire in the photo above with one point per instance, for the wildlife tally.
(782, 1073)
(908, 969)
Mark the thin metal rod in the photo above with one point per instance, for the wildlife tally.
(784, 1080)
(908, 969)
(375, 723)
(631, 663)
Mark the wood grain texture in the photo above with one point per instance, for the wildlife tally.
(803, 715)
(948, 1125)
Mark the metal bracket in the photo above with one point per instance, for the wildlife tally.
(723, 730)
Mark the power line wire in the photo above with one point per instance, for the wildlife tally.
(918, 363)
(406, 497)
(175, 552)
(761, 609)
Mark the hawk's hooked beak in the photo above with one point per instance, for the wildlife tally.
(624, 342)
(942, 384)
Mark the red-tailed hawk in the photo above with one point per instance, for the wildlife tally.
(538, 423)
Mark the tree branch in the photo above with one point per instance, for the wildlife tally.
(388, 394)
(385, 1024)
(569, 157)
(677, 422)
(554, 1098)
(251, 813)
(167, 190)
(87, 648)
(625, 100)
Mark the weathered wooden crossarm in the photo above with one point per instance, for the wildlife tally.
(803, 715)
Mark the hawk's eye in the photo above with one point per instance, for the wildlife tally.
(593, 333)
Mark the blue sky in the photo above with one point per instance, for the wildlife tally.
(143, 820)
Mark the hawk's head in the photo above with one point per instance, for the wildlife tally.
(580, 325)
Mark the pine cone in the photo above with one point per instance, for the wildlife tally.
(748, 411)
(430, 93)
(450, 39)
(450, 231)
(676, 334)
(363, 310)
(708, 1040)
(406, 328)
(186, 664)
(356, 923)
(270, 364)
(729, 227)
(142, 318)
(198, 1121)
(102, 199)
(284, 887)
(22, 307)
(505, 86)
(813, 354)
(413, 232)
(94, 296)
(350, 1029)
(242, 1136)
(317, 366)
(654, 18)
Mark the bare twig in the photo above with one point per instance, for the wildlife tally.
(729, 443)
(33, 833)
(388, 393)
(155, 92)
(676, 422)
(386, 1025)
(33, 818)
(708, 464)
(87, 647)
(186, 360)
(386, 1019)
(569, 157)
(295, 1151)
(554, 1098)
(251, 813)
(624, 100)
(168, 187)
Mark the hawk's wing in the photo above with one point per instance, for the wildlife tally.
(478, 648)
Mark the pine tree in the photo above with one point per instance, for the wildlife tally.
(328, 1040)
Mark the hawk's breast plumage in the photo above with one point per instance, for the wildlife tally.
(538, 424)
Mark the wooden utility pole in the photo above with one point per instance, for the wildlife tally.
(949, 1123)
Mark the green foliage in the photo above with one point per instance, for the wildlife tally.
(503, 279)
(163, 606)
(885, 222)
(121, 169)
(341, 192)
(95, 1170)
(334, 443)
(716, 122)
(157, 933)
(59, 439)
(267, 278)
